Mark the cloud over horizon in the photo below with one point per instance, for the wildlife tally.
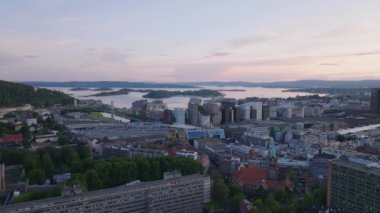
(179, 41)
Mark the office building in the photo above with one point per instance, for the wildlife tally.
(155, 110)
(375, 101)
(228, 110)
(203, 118)
(125, 151)
(319, 166)
(353, 185)
(266, 112)
(205, 133)
(168, 117)
(214, 110)
(192, 110)
(139, 107)
(298, 112)
(179, 115)
(255, 110)
(175, 194)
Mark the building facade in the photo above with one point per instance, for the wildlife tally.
(353, 185)
(214, 110)
(179, 115)
(178, 194)
(375, 100)
(192, 110)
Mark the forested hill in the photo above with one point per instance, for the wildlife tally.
(15, 94)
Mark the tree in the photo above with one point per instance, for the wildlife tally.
(143, 168)
(236, 196)
(76, 166)
(63, 140)
(235, 202)
(87, 164)
(103, 168)
(117, 174)
(259, 203)
(36, 176)
(220, 191)
(271, 203)
(69, 156)
(260, 193)
(78, 179)
(84, 152)
(293, 206)
(47, 164)
(93, 181)
(30, 161)
(291, 176)
(281, 195)
(156, 171)
(235, 190)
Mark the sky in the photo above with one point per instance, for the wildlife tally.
(183, 41)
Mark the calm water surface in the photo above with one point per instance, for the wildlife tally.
(180, 101)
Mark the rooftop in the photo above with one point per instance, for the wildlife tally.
(101, 193)
(250, 175)
(358, 129)
(359, 163)
(12, 138)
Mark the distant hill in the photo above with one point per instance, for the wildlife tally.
(107, 84)
(296, 84)
(277, 84)
(15, 94)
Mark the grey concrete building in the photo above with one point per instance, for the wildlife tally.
(178, 194)
(353, 185)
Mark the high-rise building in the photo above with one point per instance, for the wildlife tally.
(214, 110)
(176, 194)
(375, 100)
(266, 112)
(203, 118)
(319, 166)
(139, 107)
(192, 110)
(251, 111)
(168, 117)
(353, 185)
(179, 115)
(155, 110)
(228, 110)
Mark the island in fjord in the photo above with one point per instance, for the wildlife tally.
(157, 94)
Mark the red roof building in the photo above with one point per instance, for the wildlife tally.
(12, 139)
(251, 175)
(275, 184)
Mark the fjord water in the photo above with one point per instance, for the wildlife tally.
(237, 92)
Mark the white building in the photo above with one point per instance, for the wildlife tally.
(251, 110)
(179, 115)
(190, 154)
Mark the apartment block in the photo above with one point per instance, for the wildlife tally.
(178, 194)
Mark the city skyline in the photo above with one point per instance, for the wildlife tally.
(178, 41)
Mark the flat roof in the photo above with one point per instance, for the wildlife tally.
(101, 193)
(360, 164)
(358, 129)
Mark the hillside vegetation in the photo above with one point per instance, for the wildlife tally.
(15, 94)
